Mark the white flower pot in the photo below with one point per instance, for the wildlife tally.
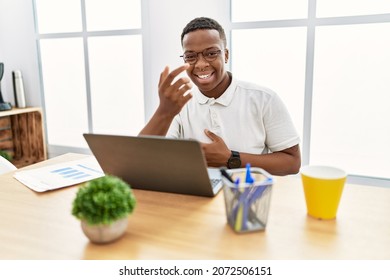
(105, 233)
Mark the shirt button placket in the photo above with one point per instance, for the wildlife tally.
(215, 123)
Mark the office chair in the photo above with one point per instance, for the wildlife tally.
(6, 166)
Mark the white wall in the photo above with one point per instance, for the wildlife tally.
(18, 49)
(163, 26)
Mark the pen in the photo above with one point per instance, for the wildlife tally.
(245, 197)
(225, 174)
(248, 179)
(237, 209)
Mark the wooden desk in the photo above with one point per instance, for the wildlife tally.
(171, 226)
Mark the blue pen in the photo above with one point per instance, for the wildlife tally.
(237, 182)
(260, 188)
(248, 179)
(245, 201)
(237, 209)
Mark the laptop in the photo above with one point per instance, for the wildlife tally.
(156, 163)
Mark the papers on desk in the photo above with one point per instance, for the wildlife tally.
(60, 175)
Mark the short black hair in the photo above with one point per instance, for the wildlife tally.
(204, 23)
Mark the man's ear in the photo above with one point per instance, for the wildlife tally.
(226, 55)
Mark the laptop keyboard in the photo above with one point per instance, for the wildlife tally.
(215, 182)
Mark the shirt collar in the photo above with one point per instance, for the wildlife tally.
(224, 99)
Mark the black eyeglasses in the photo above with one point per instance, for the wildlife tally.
(208, 54)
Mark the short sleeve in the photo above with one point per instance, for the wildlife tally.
(174, 130)
(280, 130)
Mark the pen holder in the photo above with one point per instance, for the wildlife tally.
(247, 204)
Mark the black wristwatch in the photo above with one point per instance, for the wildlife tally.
(234, 161)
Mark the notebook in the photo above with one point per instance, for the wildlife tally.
(156, 163)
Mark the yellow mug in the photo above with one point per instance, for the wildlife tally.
(323, 187)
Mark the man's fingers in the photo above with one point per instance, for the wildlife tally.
(211, 135)
(168, 78)
(163, 75)
(186, 97)
(183, 82)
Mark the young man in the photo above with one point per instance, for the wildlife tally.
(236, 122)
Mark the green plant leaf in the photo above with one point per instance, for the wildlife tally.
(103, 200)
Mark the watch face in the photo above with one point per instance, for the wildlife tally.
(234, 162)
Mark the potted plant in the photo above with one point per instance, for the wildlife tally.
(103, 206)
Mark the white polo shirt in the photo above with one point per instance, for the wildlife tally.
(249, 118)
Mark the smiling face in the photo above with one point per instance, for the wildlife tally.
(209, 76)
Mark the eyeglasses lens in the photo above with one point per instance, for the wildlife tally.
(208, 55)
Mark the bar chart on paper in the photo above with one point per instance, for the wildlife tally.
(75, 173)
(60, 175)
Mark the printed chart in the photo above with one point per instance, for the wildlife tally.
(60, 175)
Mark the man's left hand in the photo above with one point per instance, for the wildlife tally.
(216, 152)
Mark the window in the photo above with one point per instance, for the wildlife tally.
(329, 61)
(65, 98)
(116, 84)
(274, 55)
(256, 10)
(337, 8)
(92, 68)
(351, 97)
(56, 16)
(113, 14)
